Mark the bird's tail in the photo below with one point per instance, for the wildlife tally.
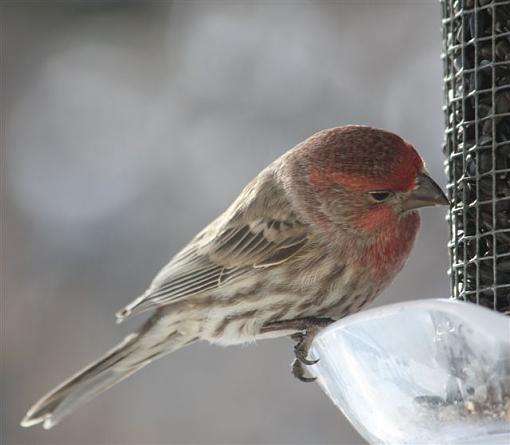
(133, 353)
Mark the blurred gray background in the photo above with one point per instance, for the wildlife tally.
(128, 127)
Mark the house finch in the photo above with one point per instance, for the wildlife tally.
(314, 237)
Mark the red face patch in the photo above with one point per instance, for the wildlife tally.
(375, 218)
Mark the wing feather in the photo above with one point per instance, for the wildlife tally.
(243, 240)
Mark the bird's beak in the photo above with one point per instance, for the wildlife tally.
(425, 193)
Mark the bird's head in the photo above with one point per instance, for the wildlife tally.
(362, 179)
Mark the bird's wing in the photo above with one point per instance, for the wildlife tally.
(246, 238)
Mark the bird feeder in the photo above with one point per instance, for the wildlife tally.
(476, 54)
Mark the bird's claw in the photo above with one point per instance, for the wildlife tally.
(306, 329)
(306, 361)
(299, 372)
(301, 349)
(301, 352)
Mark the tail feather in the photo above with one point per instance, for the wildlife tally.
(136, 351)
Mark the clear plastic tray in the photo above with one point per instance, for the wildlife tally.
(424, 372)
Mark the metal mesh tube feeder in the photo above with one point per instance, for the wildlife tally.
(476, 56)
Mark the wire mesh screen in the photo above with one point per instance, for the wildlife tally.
(476, 56)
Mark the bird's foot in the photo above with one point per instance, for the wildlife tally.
(307, 329)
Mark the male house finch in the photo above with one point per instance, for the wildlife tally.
(314, 237)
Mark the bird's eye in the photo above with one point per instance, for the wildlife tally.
(380, 196)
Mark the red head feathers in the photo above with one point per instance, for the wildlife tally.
(362, 158)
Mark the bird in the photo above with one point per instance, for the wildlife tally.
(314, 237)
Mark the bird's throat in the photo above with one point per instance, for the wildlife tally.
(387, 252)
